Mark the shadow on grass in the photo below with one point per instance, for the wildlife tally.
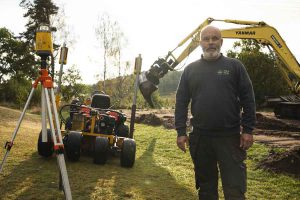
(147, 180)
(33, 178)
(37, 177)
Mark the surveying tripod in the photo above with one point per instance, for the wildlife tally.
(48, 107)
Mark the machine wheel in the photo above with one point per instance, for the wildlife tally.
(128, 153)
(122, 130)
(72, 145)
(45, 149)
(101, 150)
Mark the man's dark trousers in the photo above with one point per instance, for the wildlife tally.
(213, 153)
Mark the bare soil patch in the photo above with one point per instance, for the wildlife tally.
(268, 121)
(286, 162)
(277, 132)
(150, 119)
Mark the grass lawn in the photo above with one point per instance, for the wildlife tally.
(161, 171)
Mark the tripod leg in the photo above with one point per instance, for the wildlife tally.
(58, 144)
(44, 115)
(55, 115)
(60, 185)
(9, 145)
(64, 175)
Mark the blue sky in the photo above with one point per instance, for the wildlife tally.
(155, 27)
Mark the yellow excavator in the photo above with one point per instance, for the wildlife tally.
(284, 107)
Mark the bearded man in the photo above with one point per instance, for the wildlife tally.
(223, 118)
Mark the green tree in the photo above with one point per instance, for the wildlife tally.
(71, 86)
(16, 59)
(265, 75)
(38, 12)
(16, 90)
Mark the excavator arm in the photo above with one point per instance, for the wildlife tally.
(260, 31)
(269, 36)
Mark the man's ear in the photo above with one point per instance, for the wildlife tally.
(221, 41)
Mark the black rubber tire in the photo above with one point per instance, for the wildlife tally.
(122, 130)
(45, 149)
(72, 146)
(128, 153)
(101, 150)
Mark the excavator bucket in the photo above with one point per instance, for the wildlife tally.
(149, 80)
(147, 88)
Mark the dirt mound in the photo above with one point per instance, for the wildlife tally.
(275, 141)
(150, 119)
(168, 122)
(286, 162)
(271, 123)
(156, 120)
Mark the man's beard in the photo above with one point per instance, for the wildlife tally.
(211, 55)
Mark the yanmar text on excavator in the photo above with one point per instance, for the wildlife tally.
(284, 106)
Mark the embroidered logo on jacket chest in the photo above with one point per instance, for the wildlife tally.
(223, 72)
